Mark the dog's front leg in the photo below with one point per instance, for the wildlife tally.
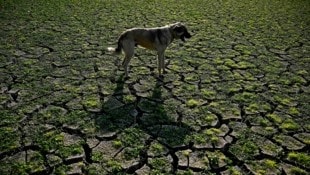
(161, 62)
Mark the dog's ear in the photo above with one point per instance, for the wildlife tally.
(178, 28)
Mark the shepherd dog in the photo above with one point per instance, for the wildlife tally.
(157, 39)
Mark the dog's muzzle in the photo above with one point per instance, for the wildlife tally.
(185, 35)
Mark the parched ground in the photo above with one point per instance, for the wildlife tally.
(235, 98)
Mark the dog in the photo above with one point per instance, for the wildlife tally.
(157, 39)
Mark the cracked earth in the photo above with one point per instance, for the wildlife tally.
(235, 98)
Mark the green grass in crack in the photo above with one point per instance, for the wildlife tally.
(34, 163)
(208, 136)
(159, 166)
(115, 166)
(245, 147)
(71, 150)
(133, 141)
(264, 167)
(212, 134)
(208, 118)
(218, 159)
(49, 140)
(157, 148)
(8, 138)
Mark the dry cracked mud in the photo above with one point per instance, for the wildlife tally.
(235, 98)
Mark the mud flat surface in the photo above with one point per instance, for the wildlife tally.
(235, 98)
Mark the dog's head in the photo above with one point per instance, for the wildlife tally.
(180, 31)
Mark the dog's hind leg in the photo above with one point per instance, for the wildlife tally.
(128, 49)
(125, 64)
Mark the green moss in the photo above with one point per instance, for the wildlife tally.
(114, 165)
(234, 171)
(72, 150)
(218, 61)
(293, 111)
(289, 125)
(157, 148)
(297, 171)
(284, 100)
(132, 152)
(212, 131)
(253, 108)
(129, 98)
(245, 97)
(270, 164)
(244, 149)
(132, 137)
(186, 153)
(274, 118)
(198, 138)
(270, 129)
(117, 144)
(300, 158)
(98, 156)
(208, 94)
(214, 139)
(192, 77)
(264, 122)
(159, 163)
(92, 102)
(245, 65)
(61, 170)
(192, 103)
(8, 138)
(302, 72)
(230, 63)
(232, 90)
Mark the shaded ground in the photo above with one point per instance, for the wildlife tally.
(235, 99)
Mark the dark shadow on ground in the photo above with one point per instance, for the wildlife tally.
(144, 113)
(116, 114)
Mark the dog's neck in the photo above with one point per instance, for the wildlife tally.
(173, 35)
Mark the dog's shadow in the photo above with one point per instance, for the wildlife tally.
(147, 114)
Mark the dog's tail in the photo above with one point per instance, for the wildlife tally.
(118, 49)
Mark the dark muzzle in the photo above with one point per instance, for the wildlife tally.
(185, 35)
